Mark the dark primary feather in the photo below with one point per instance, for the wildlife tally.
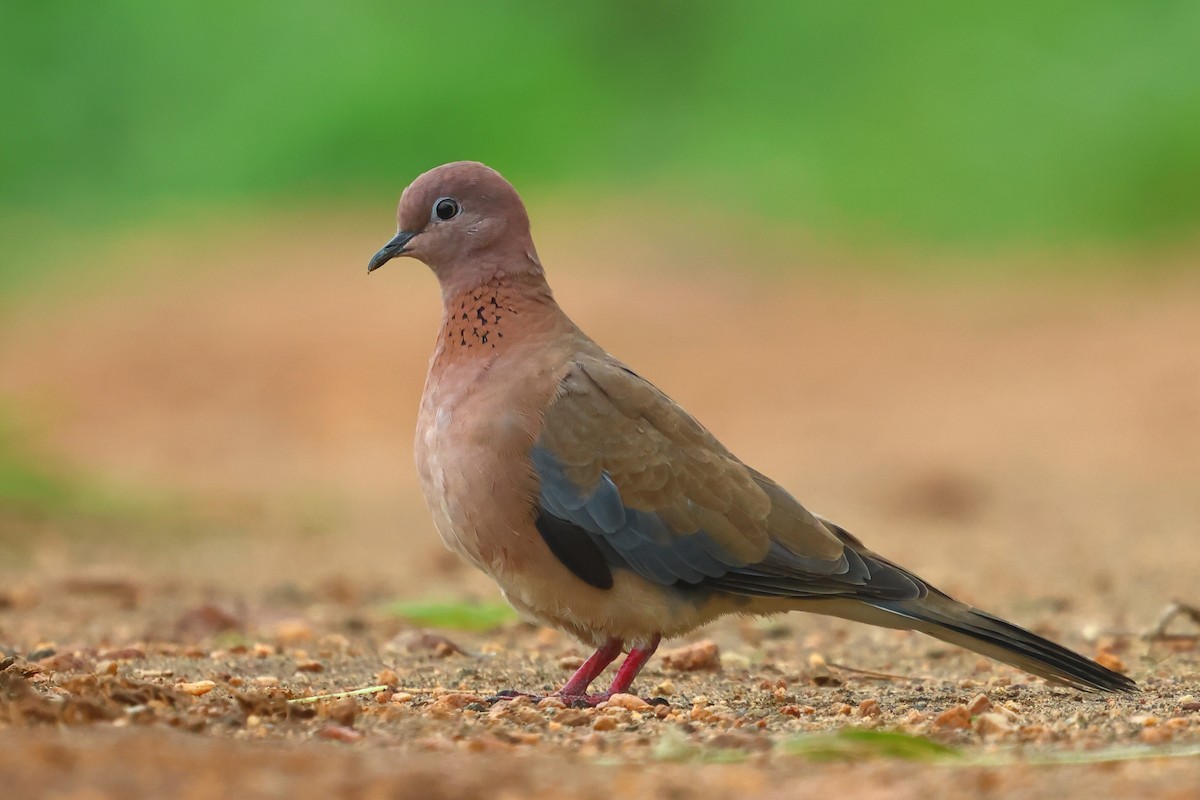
(1006, 642)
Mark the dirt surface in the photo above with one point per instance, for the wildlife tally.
(1034, 450)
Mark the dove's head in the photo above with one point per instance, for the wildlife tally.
(463, 220)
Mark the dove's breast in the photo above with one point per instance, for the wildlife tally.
(478, 420)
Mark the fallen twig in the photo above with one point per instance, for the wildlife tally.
(867, 673)
(339, 695)
(1176, 609)
(436, 691)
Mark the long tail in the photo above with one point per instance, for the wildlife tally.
(947, 619)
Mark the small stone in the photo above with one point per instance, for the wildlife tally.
(525, 715)
(486, 743)
(1109, 659)
(448, 706)
(604, 723)
(955, 718)
(980, 705)
(333, 643)
(266, 680)
(309, 665)
(869, 708)
(703, 655)
(574, 717)
(293, 631)
(344, 711)
(424, 642)
(665, 688)
(66, 662)
(570, 662)
(196, 688)
(1156, 735)
(819, 672)
(457, 700)
(629, 701)
(387, 677)
(619, 714)
(155, 673)
(735, 661)
(339, 733)
(992, 724)
(551, 702)
(402, 697)
(204, 621)
(107, 668)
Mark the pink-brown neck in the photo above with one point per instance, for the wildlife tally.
(484, 319)
(511, 262)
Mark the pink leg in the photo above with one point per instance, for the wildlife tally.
(578, 684)
(575, 692)
(632, 665)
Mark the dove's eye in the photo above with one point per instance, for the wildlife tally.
(446, 208)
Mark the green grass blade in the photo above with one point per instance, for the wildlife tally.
(451, 615)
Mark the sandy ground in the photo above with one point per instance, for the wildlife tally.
(1032, 446)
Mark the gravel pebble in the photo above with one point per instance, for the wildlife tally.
(196, 688)
(629, 701)
(980, 705)
(957, 717)
(704, 655)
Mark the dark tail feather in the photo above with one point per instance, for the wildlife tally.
(959, 624)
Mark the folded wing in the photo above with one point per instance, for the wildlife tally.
(628, 480)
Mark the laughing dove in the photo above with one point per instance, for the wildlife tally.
(600, 506)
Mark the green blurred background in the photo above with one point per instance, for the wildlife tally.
(221, 138)
(1023, 124)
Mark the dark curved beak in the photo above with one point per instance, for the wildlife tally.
(390, 250)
